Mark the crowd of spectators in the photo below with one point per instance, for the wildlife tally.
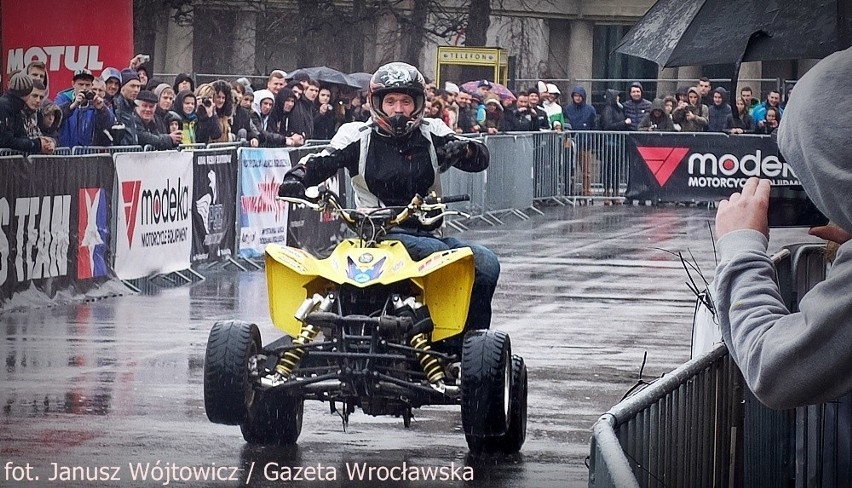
(132, 106)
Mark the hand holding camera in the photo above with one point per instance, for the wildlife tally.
(745, 210)
(205, 108)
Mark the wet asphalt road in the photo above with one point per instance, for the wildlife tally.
(116, 384)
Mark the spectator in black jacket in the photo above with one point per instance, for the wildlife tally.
(542, 120)
(743, 124)
(521, 118)
(280, 123)
(151, 130)
(636, 107)
(718, 113)
(612, 119)
(124, 105)
(13, 132)
(612, 115)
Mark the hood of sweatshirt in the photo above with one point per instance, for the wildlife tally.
(260, 96)
(820, 157)
(579, 90)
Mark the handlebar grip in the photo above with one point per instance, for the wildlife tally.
(446, 199)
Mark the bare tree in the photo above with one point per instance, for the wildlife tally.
(478, 21)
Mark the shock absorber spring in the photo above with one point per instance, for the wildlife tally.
(430, 364)
(291, 358)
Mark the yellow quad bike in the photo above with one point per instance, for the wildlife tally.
(369, 328)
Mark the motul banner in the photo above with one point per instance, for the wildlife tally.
(263, 219)
(676, 167)
(55, 215)
(66, 36)
(154, 229)
(213, 208)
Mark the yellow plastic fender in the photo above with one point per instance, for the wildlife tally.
(445, 279)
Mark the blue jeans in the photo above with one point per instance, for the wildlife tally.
(421, 244)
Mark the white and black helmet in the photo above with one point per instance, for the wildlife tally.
(397, 77)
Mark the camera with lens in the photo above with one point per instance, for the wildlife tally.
(88, 96)
(207, 102)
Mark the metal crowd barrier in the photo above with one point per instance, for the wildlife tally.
(700, 426)
(80, 150)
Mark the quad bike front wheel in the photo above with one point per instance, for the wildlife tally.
(486, 384)
(232, 344)
(274, 418)
(512, 441)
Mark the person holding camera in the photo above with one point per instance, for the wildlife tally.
(803, 358)
(214, 103)
(692, 115)
(85, 116)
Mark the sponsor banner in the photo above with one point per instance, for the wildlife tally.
(318, 233)
(263, 219)
(79, 39)
(677, 167)
(213, 209)
(55, 215)
(154, 215)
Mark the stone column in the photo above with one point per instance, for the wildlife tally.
(750, 72)
(179, 45)
(244, 46)
(580, 50)
(688, 75)
(668, 81)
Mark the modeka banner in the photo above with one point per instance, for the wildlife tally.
(154, 229)
(683, 167)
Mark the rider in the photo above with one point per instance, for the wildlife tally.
(395, 155)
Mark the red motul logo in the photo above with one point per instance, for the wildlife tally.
(130, 197)
(662, 161)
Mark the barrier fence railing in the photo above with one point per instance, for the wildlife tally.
(527, 169)
(700, 425)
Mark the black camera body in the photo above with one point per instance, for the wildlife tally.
(789, 206)
(207, 102)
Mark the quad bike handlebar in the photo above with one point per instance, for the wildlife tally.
(427, 211)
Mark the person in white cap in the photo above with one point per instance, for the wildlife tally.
(451, 91)
(553, 109)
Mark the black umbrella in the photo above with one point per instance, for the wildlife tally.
(698, 32)
(362, 79)
(327, 75)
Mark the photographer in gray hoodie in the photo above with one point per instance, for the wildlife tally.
(794, 359)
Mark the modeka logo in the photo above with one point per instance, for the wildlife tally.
(708, 164)
(663, 161)
(169, 204)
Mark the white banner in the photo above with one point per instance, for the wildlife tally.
(263, 219)
(154, 213)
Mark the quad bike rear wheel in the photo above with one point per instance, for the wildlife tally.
(512, 441)
(231, 345)
(486, 384)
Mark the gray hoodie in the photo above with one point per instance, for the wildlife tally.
(794, 359)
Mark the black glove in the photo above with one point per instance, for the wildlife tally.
(293, 185)
(451, 153)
